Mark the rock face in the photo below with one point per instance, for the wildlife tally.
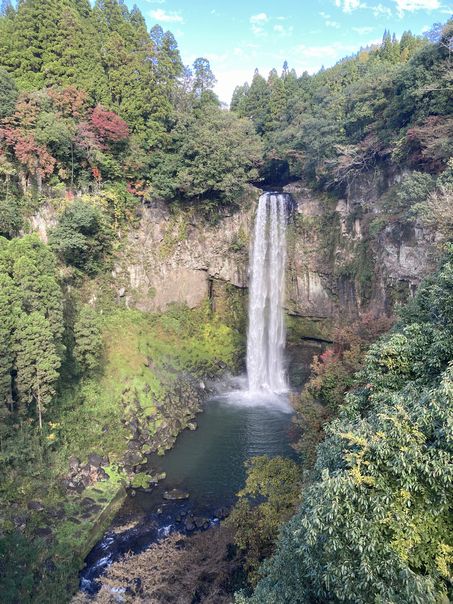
(178, 259)
(347, 257)
(335, 267)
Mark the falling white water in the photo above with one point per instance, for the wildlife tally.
(266, 334)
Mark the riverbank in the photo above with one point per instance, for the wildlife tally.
(97, 441)
(208, 464)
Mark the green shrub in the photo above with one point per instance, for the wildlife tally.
(82, 236)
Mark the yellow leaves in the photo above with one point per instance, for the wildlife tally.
(356, 458)
(354, 439)
(360, 478)
(444, 560)
(405, 495)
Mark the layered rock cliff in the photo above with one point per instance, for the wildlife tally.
(345, 256)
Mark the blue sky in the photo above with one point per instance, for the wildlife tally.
(239, 35)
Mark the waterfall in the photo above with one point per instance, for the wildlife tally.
(266, 333)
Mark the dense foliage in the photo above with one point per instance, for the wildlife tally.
(375, 524)
(268, 499)
(99, 116)
(389, 103)
(90, 98)
(32, 324)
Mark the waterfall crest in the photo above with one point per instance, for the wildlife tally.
(266, 333)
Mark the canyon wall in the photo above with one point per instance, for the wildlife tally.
(345, 256)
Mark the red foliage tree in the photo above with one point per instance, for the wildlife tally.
(69, 101)
(34, 157)
(86, 137)
(109, 127)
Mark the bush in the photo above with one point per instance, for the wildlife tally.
(82, 236)
(269, 497)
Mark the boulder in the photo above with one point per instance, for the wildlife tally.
(201, 523)
(35, 505)
(175, 495)
(222, 513)
(44, 532)
(102, 475)
(87, 501)
(20, 522)
(96, 460)
(74, 463)
(133, 458)
(189, 525)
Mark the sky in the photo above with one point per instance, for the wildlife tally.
(238, 36)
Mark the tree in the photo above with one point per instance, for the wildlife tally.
(239, 98)
(88, 340)
(375, 522)
(203, 78)
(215, 155)
(38, 292)
(277, 101)
(81, 237)
(7, 326)
(256, 105)
(37, 361)
(8, 94)
(108, 126)
(268, 499)
(10, 217)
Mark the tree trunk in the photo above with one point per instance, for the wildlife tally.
(39, 405)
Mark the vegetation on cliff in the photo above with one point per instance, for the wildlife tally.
(389, 103)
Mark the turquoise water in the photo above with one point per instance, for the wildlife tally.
(209, 462)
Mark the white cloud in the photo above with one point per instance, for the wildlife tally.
(327, 52)
(282, 30)
(257, 22)
(348, 6)
(413, 5)
(363, 30)
(328, 21)
(228, 79)
(381, 11)
(259, 18)
(163, 16)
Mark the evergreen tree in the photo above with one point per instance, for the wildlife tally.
(256, 105)
(203, 78)
(37, 362)
(88, 340)
(7, 325)
(83, 7)
(239, 99)
(277, 101)
(8, 94)
(34, 36)
(33, 273)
